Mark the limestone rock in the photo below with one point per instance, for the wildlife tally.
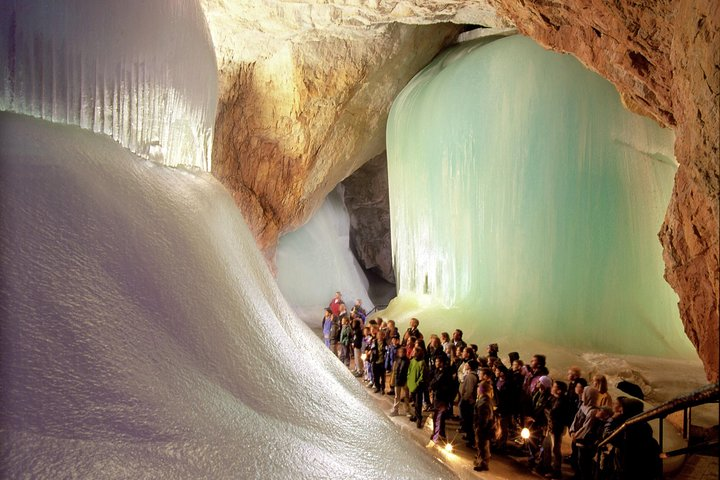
(663, 58)
(292, 126)
(368, 203)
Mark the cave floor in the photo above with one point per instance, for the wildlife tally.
(506, 466)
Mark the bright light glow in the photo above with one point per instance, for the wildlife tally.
(525, 433)
(448, 447)
(363, 356)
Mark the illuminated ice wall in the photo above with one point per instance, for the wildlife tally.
(525, 200)
(134, 70)
(315, 261)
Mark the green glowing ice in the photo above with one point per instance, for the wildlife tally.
(525, 200)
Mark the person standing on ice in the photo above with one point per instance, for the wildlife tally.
(444, 388)
(412, 331)
(357, 339)
(358, 310)
(416, 383)
(327, 325)
(335, 304)
(484, 426)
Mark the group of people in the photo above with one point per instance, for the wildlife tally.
(446, 378)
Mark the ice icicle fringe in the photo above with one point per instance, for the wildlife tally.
(141, 72)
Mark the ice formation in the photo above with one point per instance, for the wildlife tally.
(525, 200)
(142, 333)
(144, 337)
(315, 261)
(141, 72)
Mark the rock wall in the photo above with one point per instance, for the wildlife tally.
(293, 125)
(368, 203)
(663, 58)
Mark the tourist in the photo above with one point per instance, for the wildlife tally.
(379, 351)
(507, 402)
(457, 339)
(447, 345)
(444, 389)
(581, 431)
(557, 414)
(366, 343)
(390, 360)
(484, 426)
(392, 331)
(335, 304)
(400, 378)
(536, 370)
(604, 398)
(468, 396)
(357, 341)
(538, 421)
(416, 384)
(345, 340)
(358, 310)
(335, 335)
(412, 331)
(326, 325)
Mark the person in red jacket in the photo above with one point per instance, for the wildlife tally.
(335, 304)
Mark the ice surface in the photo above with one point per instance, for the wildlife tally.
(144, 337)
(525, 199)
(315, 261)
(142, 72)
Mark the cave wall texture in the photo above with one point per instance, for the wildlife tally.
(305, 89)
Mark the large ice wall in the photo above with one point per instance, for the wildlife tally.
(143, 335)
(141, 72)
(525, 200)
(315, 261)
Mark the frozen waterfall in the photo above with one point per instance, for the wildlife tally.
(525, 200)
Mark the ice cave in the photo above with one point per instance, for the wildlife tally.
(185, 184)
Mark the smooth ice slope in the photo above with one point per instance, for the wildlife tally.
(525, 199)
(143, 335)
(315, 261)
(141, 72)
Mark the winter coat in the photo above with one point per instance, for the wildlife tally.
(400, 371)
(484, 418)
(390, 357)
(468, 387)
(443, 385)
(416, 374)
(345, 335)
(326, 326)
(335, 331)
(357, 337)
(558, 413)
(585, 425)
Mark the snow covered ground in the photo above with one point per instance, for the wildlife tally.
(144, 336)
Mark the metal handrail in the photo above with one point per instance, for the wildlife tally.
(707, 394)
(376, 308)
